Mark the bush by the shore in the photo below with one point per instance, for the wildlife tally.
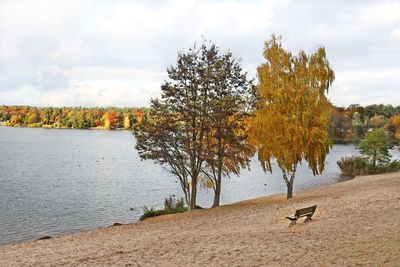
(171, 205)
(358, 165)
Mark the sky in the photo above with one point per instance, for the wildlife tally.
(115, 53)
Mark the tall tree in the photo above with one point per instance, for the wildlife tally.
(292, 117)
(174, 133)
(198, 127)
(231, 95)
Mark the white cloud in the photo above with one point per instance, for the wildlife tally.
(395, 34)
(368, 87)
(89, 52)
(52, 78)
(105, 93)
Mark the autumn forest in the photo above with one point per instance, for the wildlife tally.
(347, 124)
(70, 117)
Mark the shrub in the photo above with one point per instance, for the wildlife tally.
(353, 165)
(393, 166)
(171, 205)
(358, 165)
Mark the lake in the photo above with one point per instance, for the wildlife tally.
(54, 181)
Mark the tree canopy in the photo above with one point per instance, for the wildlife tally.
(197, 129)
(375, 146)
(394, 125)
(292, 116)
(231, 97)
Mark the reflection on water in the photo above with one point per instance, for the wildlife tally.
(54, 182)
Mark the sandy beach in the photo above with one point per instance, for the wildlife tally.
(357, 222)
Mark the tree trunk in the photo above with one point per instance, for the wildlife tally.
(193, 194)
(217, 192)
(290, 182)
(374, 162)
(289, 189)
(187, 196)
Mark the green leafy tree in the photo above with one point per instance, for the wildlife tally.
(46, 117)
(375, 147)
(292, 117)
(4, 115)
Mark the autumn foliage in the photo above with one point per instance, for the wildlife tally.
(394, 125)
(68, 117)
(197, 128)
(292, 117)
(350, 124)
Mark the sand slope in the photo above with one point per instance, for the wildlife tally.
(356, 223)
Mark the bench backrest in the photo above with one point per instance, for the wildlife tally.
(307, 210)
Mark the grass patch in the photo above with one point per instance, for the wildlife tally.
(148, 213)
(171, 206)
(358, 165)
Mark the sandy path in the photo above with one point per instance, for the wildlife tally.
(357, 223)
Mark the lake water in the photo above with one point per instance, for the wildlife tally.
(54, 182)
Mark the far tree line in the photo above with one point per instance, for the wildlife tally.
(350, 125)
(70, 117)
(347, 124)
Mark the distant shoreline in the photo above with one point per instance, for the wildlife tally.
(66, 128)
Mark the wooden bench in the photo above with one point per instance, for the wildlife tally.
(304, 212)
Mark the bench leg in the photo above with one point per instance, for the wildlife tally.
(307, 219)
(292, 223)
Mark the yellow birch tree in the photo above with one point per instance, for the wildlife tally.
(291, 121)
(127, 123)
